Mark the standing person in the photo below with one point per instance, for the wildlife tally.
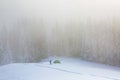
(50, 61)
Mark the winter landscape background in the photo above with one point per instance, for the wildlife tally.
(31, 30)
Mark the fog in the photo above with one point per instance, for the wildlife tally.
(31, 30)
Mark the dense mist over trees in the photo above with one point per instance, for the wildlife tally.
(31, 30)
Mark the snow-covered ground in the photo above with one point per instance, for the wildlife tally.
(69, 69)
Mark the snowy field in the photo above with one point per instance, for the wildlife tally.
(68, 69)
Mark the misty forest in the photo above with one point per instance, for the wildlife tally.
(31, 30)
